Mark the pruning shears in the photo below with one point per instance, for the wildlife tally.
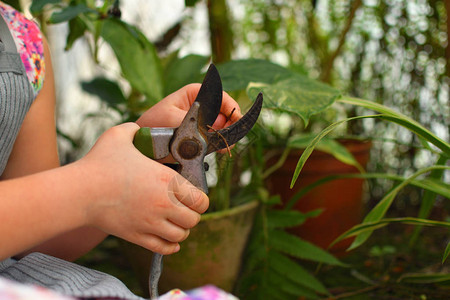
(189, 143)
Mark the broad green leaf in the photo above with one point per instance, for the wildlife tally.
(183, 71)
(446, 252)
(237, 74)
(294, 272)
(294, 246)
(425, 278)
(70, 12)
(38, 5)
(378, 212)
(369, 227)
(107, 90)
(137, 58)
(330, 146)
(402, 120)
(296, 94)
(288, 218)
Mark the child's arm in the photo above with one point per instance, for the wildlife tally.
(113, 188)
(35, 150)
(60, 211)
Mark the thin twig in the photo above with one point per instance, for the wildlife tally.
(354, 293)
(229, 116)
(223, 138)
(278, 164)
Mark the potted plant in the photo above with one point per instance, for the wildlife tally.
(429, 178)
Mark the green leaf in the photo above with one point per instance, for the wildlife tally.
(137, 58)
(424, 278)
(381, 208)
(190, 3)
(431, 185)
(330, 146)
(69, 12)
(402, 120)
(370, 226)
(77, 27)
(289, 287)
(183, 71)
(296, 94)
(237, 74)
(107, 90)
(307, 152)
(399, 120)
(271, 199)
(446, 252)
(38, 5)
(294, 272)
(294, 246)
(429, 197)
(288, 218)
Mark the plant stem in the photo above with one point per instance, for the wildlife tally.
(326, 74)
(354, 293)
(278, 164)
(447, 49)
(221, 36)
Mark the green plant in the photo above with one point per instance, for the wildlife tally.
(432, 185)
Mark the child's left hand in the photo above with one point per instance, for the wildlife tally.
(170, 111)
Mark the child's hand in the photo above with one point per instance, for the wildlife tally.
(170, 111)
(138, 199)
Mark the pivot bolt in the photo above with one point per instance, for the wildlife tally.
(188, 149)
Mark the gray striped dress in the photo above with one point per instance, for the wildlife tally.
(16, 97)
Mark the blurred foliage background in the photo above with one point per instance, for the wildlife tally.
(395, 52)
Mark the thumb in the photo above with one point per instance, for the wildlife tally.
(129, 129)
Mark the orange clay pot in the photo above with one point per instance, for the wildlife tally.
(341, 200)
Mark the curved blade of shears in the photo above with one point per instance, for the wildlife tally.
(210, 98)
(223, 138)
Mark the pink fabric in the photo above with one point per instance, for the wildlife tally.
(28, 39)
(10, 290)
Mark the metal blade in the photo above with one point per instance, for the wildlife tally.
(228, 136)
(210, 98)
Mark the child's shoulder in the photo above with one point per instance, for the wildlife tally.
(28, 39)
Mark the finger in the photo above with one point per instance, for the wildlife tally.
(191, 92)
(170, 232)
(230, 108)
(129, 129)
(184, 217)
(156, 244)
(183, 191)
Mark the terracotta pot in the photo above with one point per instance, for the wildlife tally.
(341, 200)
(211, 254)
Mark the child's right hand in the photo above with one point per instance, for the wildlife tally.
(136, 198)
